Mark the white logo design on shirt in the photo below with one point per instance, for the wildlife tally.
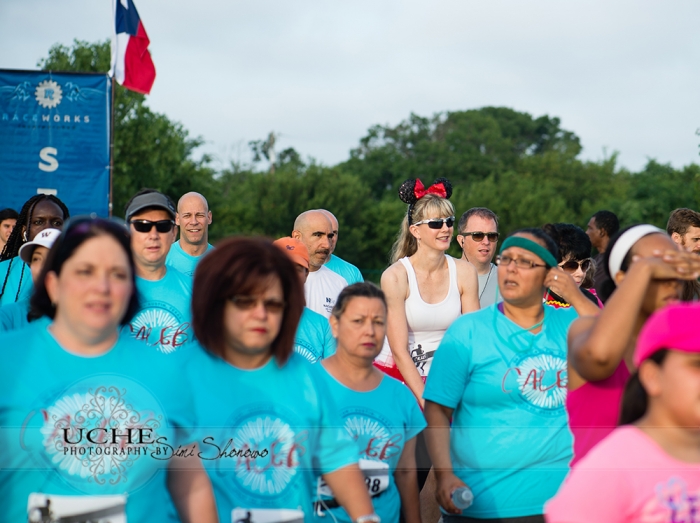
(279, 449)
(539, 380)
(98, 435)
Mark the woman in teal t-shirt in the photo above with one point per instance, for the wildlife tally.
(85, 422)
(379, 413)
(500, 376)
(267, 425)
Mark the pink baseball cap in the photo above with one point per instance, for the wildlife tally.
(673, 327)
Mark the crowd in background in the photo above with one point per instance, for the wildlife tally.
(152, 377)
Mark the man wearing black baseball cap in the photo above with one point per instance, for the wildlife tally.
(163, 321)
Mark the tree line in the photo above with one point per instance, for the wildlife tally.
(526, 169)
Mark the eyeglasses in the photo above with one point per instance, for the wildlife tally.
(478, 236)
(147, 225)
(246, 303)
(436, 223)
(573, 266)
(520, 263)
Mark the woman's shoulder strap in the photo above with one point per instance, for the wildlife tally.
(410, 272)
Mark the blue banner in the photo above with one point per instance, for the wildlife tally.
(54, 139)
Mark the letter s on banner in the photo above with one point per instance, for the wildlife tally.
(51, 163)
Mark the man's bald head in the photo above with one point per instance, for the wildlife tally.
(314, 229)
(193, 217)
(334, 226)
(190, 198)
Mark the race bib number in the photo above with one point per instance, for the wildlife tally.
(266, 515)
(376, 478)
(48, 508)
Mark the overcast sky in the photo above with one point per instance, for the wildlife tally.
(623, 75)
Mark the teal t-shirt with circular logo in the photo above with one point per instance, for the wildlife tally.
(380, 421)
(509, 439)
(164, 321)
(266, 435)
(80, 433)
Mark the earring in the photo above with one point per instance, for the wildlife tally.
(24, 236)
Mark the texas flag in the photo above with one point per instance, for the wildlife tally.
(131, 62)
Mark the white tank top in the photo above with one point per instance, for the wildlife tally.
(427, 322)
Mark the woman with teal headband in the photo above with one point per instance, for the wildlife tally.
(500, 376)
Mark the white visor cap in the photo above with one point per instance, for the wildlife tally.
(45, 238)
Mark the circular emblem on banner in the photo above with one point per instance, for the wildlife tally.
(49, 94)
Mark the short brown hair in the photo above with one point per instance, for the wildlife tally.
(681, 219)
(243, 265)
(481, 212)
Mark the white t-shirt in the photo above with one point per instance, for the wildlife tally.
(321, 290)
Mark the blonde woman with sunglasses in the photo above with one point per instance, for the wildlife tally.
(426, 290)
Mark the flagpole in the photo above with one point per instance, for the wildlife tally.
(111, 148)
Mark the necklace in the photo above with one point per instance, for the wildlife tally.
(487, 282)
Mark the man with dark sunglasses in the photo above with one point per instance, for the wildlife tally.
(163, 321)
(478, 237)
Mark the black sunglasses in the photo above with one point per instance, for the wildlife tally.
(479, 236)
(436, 223)
(572, 265)
(246, 303)
(147, 225)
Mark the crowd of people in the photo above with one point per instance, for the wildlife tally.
(150, 376)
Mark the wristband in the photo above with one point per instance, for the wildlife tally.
(370, 518)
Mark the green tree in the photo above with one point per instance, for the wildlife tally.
(524, 168)
(150, 150)
(658, 190)
(464, 146)
(267, 203)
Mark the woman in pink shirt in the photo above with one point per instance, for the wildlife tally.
(647, 268)
(647, 471)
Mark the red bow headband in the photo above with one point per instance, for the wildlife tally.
(413, 190)
(437, 188)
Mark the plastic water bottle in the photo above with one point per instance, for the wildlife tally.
(462, 498)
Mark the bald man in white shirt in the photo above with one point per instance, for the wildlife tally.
(322, 286)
